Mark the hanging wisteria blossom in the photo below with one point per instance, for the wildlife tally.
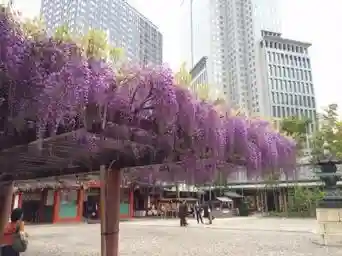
(52, 84)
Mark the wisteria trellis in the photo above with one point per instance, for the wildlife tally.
(50, 83)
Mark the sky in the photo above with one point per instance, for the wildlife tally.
(314, 21)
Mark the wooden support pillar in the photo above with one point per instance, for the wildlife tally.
(285, 199)
(131, 202)
(259, 201)
(280, 199)
(6, 195)
(110, 211)
(80, 200)
(265, 200)
(56, 205)
(41, 213)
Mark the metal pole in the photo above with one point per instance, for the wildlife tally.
(191, 34)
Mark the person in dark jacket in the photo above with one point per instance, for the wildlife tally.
(198, 212)
(182, 212)
(208, 212)
(211, 217)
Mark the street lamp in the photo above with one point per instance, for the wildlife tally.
(329, 208)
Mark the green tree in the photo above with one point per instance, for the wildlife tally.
(62, 33)
(303, 200)
(94, 44)
(183, 77)
(202, 91)
(329, 136)
(34, 28)
(297, 128)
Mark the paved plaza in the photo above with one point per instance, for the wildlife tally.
(236, 236)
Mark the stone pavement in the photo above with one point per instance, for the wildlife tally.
(235, 236)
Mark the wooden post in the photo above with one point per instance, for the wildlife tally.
(56, 205)
(103, 182)
(110, 211)
(131, 202)
(285, 199)
(6, 195)
(41, 217)
(80, 200)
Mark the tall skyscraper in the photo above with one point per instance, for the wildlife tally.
(228, 32)
(126, 27)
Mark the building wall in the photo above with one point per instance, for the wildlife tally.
(54, 206)
(126, 27)
(199, 36)
(287, 80)
(230, 38)
(199, 73)
(301, 173)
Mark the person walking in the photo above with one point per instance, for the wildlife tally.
(182, 212)
(12, 243)
(198, 212)
(208, 212)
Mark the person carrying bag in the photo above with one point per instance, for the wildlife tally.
(14, 240)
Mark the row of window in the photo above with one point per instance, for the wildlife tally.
(292, 86)
(88, 10)
(293, 100)
(284, 46)
(289, 73)
(288, 59)
(282, 112)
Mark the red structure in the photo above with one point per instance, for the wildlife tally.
(126, 195)
(65, 205)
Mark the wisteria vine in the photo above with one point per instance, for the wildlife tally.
(51, 83)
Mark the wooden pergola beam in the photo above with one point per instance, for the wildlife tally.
(55, 155)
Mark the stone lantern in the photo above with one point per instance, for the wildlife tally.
(329, 208)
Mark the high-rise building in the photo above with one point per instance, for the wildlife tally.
(126, 27)
(287, 79)
(228, 32)
(199, 73)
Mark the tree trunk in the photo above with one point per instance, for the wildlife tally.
(110, 211)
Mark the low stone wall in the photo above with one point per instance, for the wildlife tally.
(330, 226)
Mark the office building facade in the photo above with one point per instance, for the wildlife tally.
(228, 32)
(125, 26)
(287, 79)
